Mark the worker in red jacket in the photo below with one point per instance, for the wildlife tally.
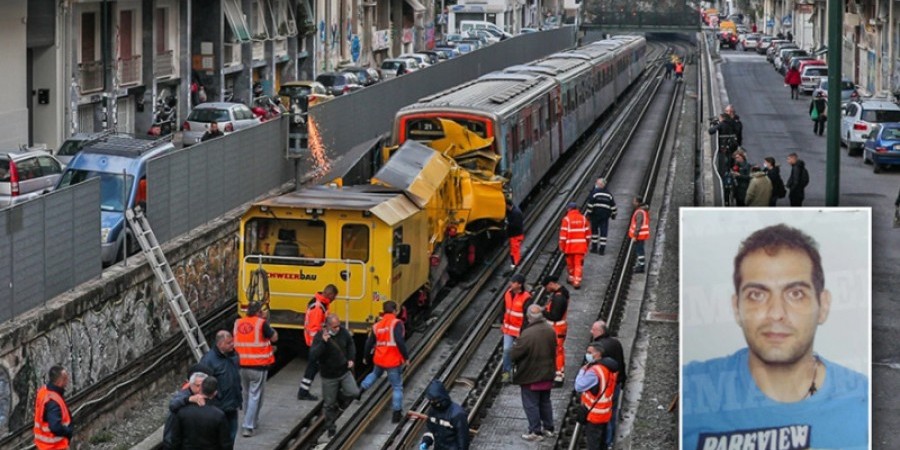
(574, 233)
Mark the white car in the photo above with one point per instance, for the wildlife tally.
(858, 118)
(229, 117)
(422, 60)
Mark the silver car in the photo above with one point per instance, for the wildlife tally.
(25, 175)
(230, 117)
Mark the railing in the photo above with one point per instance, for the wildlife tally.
(164, 64)
(259, 50)
(129, 70)
(279, 47)
(232, 54)
(90, 76)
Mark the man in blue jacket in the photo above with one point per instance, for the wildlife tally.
(223, 361)
(448, 424)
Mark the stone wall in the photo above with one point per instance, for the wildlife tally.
(108, 323)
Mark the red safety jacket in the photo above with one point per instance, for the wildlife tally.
(253, 349)
(601, 411)
(387, 354)
(679, 67)
(574, 233)
(44, 439)
(315, 317)
(515, 312)
(560, 325)
(644, 233)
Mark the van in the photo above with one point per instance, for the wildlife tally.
(469, 25)
(120, 162)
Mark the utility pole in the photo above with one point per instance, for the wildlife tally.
(833, 152)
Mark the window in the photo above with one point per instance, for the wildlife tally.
(355, 242)
(114, 188)
(523, 136)
(28, 169)
(398, 239)
(513, 134)
(286, 239)
(161, 29)
(126, 34)
(88, 34)
(49, 166)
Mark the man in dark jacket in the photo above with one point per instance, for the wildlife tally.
(797, 181)
(729, 124)
(212, 133)
(773, 171)
(600, 208)
(202, 427)
(534, 355)
(190, 393)
(335, 352)
(741, 173)
(515, 230)
(820, 106)
(222, 360)
(448, 423)
(611, 349)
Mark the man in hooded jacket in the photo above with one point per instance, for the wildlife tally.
(448, 423)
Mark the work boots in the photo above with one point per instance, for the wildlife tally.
(594, 248)
(396, 417)
(601, 250)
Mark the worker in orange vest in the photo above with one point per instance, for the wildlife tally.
(316, 311)
(679, 70)
(639, 231)
(52, 422)
(555, 312)
(574, 233)
(515, 299)
(596, 382)
(387, 346)
(253, 339)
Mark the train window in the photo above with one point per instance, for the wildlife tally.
(285, 241)
(398, 239)
(523, 133)
(536, 125)
(514, 136)
(355, 242)
(428, 129)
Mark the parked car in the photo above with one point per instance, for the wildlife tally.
(784, 57)
(882, 146)
(303, 92)
(795, 61)
(750, 42)
(339, 83)
(26, 174)
(728, 39)
(858, 118)
(449, 50)
(847, 89)
(810, 77)
(392, 68)
(120, 163)
(763, 44)
(485, 36)
(528, 30)
(73, 145)
(229, 116)
(465, 47)
(475, 43)
(421, 59)
(366, 76)
(774, 50)
(435, 55)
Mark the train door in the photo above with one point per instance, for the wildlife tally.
(555, 129)
(354, 280)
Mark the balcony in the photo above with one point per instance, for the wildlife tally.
(259, 50)
(232, 54)
(90, 76)
(164, 64)
(129, 71)
(279, 47)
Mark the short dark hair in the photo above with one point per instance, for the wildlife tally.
(792, 155)
(597, 346)
(210, 386)
(390, 306)
(221, 335)
(55, 373)
(770, 160)
(254, 308)
(330, 289)
(779, 237)
(213, 122)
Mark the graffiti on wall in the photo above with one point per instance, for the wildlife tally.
(381, 40)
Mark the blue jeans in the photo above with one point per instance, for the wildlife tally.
(538, 409)
(639, 251)
(508, 342)
(611, 425)
(394, 376)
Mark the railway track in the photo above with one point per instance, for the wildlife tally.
(579, 170)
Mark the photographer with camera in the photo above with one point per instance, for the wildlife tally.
(730, 136)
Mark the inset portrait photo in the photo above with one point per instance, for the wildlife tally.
(775, 328)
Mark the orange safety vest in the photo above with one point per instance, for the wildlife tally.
(574, 233)
(560, 325)
(387, 354)
(44, 439)
(315, 317)
(679, 67)
(253, 349)
(515, 312)
(644, 233)
(601, 411)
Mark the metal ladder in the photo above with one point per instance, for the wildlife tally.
(157, 260)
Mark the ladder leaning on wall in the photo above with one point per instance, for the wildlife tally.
(140, 227)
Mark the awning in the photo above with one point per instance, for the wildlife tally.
(416, 6)
(236, 20)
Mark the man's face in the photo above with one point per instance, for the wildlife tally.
(729, 110)
(595, 330)
(213, 127)
(515, 287)
(196, 385)
(63, 379)
(226, 345)
(776, 306)
(792, 160)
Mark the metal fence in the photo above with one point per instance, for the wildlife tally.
(48, 246)
(193, 186)
(350, 120)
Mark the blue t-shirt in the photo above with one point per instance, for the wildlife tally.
(723, 409)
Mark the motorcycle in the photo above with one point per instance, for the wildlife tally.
(164, 116)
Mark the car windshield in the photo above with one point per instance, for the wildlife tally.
(4, 169)
(891, 134)
(294, 91)
(880, 115)
(361, 74)
(817, 72)
(390, 65)
(113, 191)
(71, 147)
(330, 80)
(208, 115)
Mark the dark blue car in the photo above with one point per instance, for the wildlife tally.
(882, 147)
